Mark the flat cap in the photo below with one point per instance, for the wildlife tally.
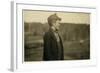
(53, 17)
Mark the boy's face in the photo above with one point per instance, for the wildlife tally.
(57, 24)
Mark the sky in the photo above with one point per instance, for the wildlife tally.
(67, 17)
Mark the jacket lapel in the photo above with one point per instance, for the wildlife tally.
(52, 34)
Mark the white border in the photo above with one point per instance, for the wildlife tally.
(17, 40)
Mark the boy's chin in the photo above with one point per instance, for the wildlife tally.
(57, 29)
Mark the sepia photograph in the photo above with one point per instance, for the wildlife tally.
(56, 35)
(52, 36)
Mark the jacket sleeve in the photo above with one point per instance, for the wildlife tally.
(47, 47)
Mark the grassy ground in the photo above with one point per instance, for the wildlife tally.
(76, 50)
(73, 50)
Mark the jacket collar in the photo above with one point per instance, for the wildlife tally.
(53, 29)
(52, 34)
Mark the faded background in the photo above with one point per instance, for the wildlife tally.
(74, 30)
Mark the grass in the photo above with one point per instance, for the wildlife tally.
(73, 50)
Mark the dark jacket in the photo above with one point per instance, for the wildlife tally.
(51, 49)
